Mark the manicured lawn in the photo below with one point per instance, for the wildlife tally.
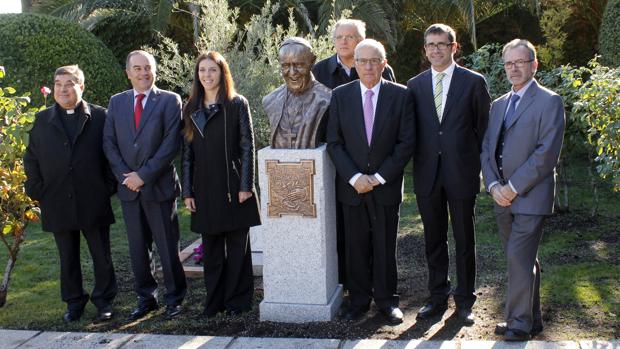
(580, 282)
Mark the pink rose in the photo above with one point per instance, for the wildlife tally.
(45, 91)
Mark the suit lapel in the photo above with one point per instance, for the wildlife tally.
(526, 101)
(358, 111)
(427, 95)
(56, 122)
(384, 100)
(454, 92)
(497, 121)
(129, 122)
(148, 109)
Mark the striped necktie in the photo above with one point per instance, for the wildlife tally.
(439, 94)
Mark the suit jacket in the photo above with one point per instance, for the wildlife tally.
(457, 140)
(331, 74)
(532, 144)
(149, 150)
(393, 139)
(71, 179)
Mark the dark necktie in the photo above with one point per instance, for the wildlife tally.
(137, 111)
(511, 109)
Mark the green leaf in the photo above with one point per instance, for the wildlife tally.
(7, 229)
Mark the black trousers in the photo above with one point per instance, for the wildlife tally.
(148, 222)
(71, 290)
(228, 271)
(370, 236)
(434, 212)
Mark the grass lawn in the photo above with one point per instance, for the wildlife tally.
(580, 282)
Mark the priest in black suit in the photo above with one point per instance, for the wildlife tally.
(370, 139)
(452, 111)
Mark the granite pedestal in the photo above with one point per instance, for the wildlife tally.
(300, 266)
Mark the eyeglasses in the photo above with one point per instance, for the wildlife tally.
(372, 61)
(440, 45)
(345, 37)
(297, 67)
(520, 63)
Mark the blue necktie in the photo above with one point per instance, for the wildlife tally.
(511, 109)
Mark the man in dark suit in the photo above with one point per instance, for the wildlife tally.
(141, 140)
(370, 139)
(69, 175)
(452, 109)
(332, 72)
(520, 152)
(339, 69)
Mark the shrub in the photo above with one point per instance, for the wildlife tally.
(610, 35)
(251, 51)
(487, 61)
(33, 46)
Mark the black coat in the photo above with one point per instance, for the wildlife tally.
(457, 140)
(218, 163)
(71, 180)
(331, 74)
(393, 141)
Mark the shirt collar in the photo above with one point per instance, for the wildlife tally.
(146, 93)
(375, 89)
(348, 70)
(522, 91)
(448, 71)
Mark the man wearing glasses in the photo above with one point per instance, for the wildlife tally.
(370, 139)
(452, 109)
(332, 72)
(340, 69)
(519, 155)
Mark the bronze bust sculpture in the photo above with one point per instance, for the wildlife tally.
(296, 108)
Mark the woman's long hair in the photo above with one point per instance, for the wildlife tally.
(225, 93)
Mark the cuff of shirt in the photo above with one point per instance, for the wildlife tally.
(354, 179)
(379, 178)
(494, 183)
(512, 187)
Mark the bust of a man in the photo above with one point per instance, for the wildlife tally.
(297, 108)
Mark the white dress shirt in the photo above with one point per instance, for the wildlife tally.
(374, 99)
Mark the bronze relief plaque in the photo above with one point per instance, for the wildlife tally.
(291, 189)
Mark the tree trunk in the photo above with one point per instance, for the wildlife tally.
(593, 185)
(18, 238)
(4, 287)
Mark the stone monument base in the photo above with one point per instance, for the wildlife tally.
(298, 313)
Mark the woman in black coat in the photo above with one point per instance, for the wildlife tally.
(218, 183)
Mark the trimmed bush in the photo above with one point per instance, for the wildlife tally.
(33, 46)
(610, 35)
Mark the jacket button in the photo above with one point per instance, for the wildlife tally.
(135, 145)
(501, 156)
(438, 153)
(440, 133)
(70, 196)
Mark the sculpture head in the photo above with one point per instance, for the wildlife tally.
(296, 61)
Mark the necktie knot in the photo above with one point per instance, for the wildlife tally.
(369, 94)
(440, 76)
(515, 98)
(140, 97)
(512, 106)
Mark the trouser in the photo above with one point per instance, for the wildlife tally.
(228, 271)
(148, 222)
(71, 290)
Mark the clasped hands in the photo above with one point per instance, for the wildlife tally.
(503, 194)
(365, 183)
(133, 181)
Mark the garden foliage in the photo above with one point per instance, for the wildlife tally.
(33, 46)
(251, 51)
(16, 208)
(609, 39)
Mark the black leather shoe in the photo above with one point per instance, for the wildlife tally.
(104, 314)
(514, 335)
(393, 315)
(72, 315)
(431, 309)
(502, 327)
(354, 313)
(173, 310)
(142, 310)
(466, 316)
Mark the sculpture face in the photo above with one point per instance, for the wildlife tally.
(296, 72)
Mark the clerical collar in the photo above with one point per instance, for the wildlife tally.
(72, 110)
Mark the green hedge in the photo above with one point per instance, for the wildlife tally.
(33, 46)
(610, 34)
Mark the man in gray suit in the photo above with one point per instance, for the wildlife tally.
(141, 138)
(519, 154)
